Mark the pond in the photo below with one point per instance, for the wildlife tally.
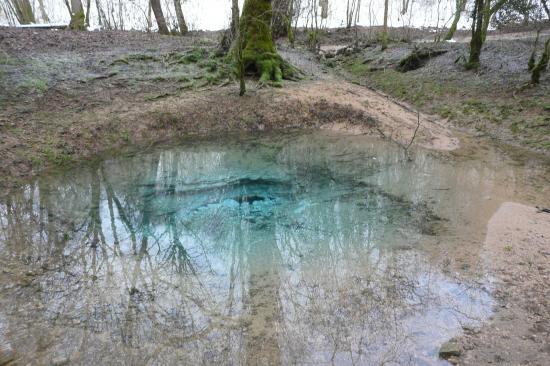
(302, 248)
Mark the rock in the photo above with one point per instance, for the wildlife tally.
(448, 350)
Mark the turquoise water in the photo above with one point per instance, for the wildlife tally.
(283, 249)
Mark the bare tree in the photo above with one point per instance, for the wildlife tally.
(324, 8)
(23, 11)
(43, 11)
(384, 37)
(460, 7)
(181, 19)
(159, 16)
(352, 9)
(477, 35)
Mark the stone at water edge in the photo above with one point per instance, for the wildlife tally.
(448, 350)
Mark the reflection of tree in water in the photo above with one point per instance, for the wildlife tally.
(180, 256)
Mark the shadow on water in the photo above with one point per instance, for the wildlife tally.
(299, 249)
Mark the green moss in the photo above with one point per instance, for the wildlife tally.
(56, 157)
(210, 65)
(78, 21)
(34, 85)
(358, 67)
(195, 55)
(258, 50)
(7, 60)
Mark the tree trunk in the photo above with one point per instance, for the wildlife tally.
(235, 15)
(384, 37)
(78, 19)
(159, 16)
(149, 18)
(477, 35)
(460, 6)
(230, 35)
(542, 65)
(23, 11)
(324, 9)
(282, 18)
(88, 6)
(258, 50)
(488, 12)
(181, 19)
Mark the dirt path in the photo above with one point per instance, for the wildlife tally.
(517, 254)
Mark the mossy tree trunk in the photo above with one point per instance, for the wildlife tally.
(159, 16)
(542, 66)
(489, 10)
(460, 6)
(477, 35)
(481, 18)
(181, 19)
(235, 15)
(78, 18)
(256, 42)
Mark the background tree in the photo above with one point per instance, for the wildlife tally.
(159, 16)
(282, 18)
(384, 37)
(460, 7)
(181, 19)
(519, 12)
(352, 8)
(43, 13)
(489, 9)
(22, 10)
(78, 18)
(542, 65)
(477, 35)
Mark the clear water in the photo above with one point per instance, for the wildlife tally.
(294, 249)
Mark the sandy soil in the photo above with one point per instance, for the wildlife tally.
(517, 254)
(396, 121)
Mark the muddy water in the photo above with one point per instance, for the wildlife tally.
(296, 249)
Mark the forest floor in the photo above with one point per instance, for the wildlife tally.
(66, 96)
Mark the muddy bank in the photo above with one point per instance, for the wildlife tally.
(517, 254)
(78, 94)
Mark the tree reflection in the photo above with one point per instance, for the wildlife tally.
(281, 251)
